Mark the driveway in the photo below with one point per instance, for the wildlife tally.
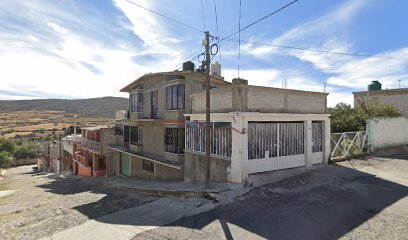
(357, 199)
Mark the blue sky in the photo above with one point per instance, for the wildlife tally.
(82, 49)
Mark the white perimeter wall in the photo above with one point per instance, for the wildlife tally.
(387, 132)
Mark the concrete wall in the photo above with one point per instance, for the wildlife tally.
(194, 168)
(387, 132)
(246, 98)
(161, 172)
(153, 138)
(395, 97)
(107, 139)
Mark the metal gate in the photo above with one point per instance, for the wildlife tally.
(275, 145)
(317, 141)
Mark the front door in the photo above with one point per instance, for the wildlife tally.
(124, 164)
(126, 134)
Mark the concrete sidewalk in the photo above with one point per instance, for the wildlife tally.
(128, 223)
(166, 188)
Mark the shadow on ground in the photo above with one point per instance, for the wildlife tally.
(324, 203)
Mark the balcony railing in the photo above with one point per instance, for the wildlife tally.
(122, 114)
(92, 145)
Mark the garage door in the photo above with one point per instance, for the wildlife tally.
(275, 145)
(124, 164)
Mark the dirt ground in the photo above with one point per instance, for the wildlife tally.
(43, 204)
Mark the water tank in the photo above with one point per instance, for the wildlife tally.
(216, 69)
(374, 86)
(188, 66)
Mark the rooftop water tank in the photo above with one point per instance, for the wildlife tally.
(188, 66)
(374, 86)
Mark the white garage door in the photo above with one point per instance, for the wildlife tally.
(275, 145)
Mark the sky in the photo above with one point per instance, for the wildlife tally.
(82, 49)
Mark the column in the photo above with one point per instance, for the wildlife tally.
(308, 143)
(239, 157)
(327, 141)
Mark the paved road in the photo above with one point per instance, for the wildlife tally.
(360, 199)
(42, 204)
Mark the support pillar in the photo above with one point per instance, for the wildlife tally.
(239, 157)
(327, 141)
(308, 143)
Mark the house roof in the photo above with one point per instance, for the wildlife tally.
(128, 87)
(384, 91)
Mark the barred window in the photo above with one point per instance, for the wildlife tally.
(174, 140)
(136, 135)
(175, 97)
(220, 137)
(148, 165)
(136, 102)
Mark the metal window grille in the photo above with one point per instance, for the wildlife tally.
(317, 136)
(279, 139)
(148, 165)
(118, 130)
(221, 137)
(136, 135)
(174, 140)
(175, 97)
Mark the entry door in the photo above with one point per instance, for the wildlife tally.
(275, 145)
(126, 134)
(124, 164)
(317, 139)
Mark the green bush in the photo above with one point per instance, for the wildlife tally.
(7, 145)
(29, 149)
(6, 160)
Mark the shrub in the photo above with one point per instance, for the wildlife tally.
(6, 160)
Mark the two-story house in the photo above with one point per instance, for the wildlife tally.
(90, 154)
(150, 135)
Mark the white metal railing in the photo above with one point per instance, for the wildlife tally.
(221, 138)
(348, 144)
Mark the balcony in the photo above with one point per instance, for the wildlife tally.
(91, 145)
(122, 114)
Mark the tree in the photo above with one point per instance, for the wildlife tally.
(344, 118)
(6, 160)
(28, 150)
(7, 145)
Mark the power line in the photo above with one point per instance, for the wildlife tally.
(257, 21)
(202, 12)
(216, 22)
(239, 35)
(189, 57)
(164, 16)
(314, 50)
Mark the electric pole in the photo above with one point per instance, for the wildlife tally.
(206, 42)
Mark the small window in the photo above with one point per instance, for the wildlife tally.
(118, 130)
(136, 102)
(174, 140)
(174, 77)
(175, 97)
(148, 165)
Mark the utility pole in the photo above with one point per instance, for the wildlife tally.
(206, 42)
(60, 152)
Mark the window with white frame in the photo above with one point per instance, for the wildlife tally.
(136, 102)
(175, 97)
(220, 137)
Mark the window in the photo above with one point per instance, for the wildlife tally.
(175, 97)
(175, 77)
(154, 104)
(136, 135)
(220, 137)
(148, 165)
(174, 140)
(136, 102)
(118, 130)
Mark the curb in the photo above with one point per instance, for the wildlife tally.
(165, 192)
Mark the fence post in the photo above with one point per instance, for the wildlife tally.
(327, 141)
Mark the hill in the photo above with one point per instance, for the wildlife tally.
(92, 107)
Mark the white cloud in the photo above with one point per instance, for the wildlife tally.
(57, 28)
